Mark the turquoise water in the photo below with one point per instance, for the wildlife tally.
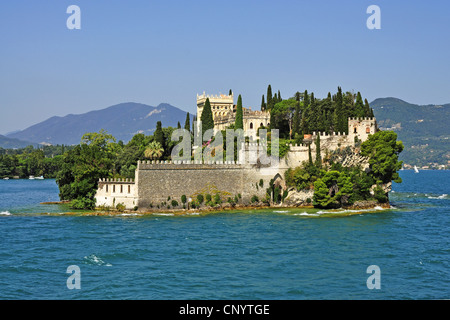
(272, 254)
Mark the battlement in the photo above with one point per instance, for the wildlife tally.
(117, 180)
(224, 97)
(362, 119)
(186, 164)
(326, 134)
(250, 112)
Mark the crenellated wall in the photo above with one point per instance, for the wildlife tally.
(111, 192)
(158, 181)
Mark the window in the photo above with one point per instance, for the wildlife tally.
(367, 130)
(129, 189)
(251, 125)
(114, 188)
(121, 188)
(354, 130)
(106, 188)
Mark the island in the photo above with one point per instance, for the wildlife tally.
(326, 153)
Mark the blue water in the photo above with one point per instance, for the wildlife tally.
(272, 254)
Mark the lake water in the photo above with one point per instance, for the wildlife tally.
(262, 254)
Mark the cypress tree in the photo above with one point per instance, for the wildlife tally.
(179, 125)
(159, 135)
(207, 117)
(263, 104)
(367, 110)
(269, 98)
(309, 155)
(239, 122)
(318, 156)
(359, 105)
(187, 123)
(305, 100)
(279, 97)
(296, 120)
(340, 117)
(230, 92)
(194, 119)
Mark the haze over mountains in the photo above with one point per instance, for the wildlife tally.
(122, 121)
(424, 129)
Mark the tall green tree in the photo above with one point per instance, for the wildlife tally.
(263, 104)
(318, 156)
(81, 169)
(383, 151)
(333, 190)
(239, 122)
(368, 112)
(296, 120)
(359, 106)
(270, 102)
(187, 123)
(158, 134)
(207, 117)
(340, 114)
(310, 161)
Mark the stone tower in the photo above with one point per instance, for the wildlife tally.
(361, 128)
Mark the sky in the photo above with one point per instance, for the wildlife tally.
(167, 51)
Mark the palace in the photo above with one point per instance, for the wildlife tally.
(224, 113)
(157, 181)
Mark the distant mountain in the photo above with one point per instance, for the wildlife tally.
(11, 143)
(424, 129)
(122, 121)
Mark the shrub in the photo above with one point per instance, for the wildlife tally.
(217, 199)
(261, 183)
(380, 195)
(83, 203)
(276, 194)
(208, 197)
(120, 207)
(254, 199)
(183, 199)
(174, 203)
(200, 198)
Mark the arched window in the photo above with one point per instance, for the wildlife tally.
(367, 130)
(261, 125)
(251, 125)
(355, 130)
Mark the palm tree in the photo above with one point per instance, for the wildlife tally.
(154, 150)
